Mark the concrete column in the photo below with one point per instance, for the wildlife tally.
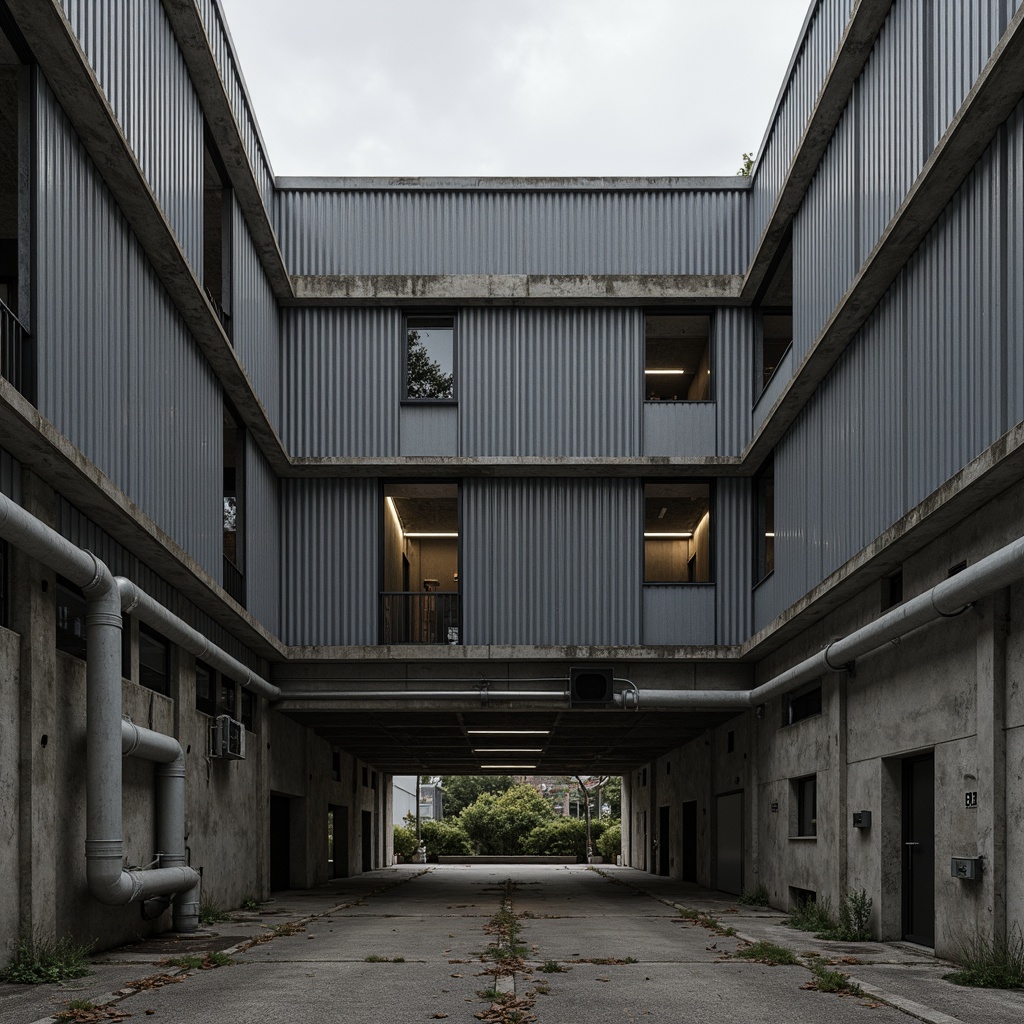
(33, 588)
(843, 821)
(991, 726)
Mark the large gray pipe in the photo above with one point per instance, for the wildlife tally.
(135, 601)
(108, 881)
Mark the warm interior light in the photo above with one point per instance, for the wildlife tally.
(668, 534)
(431, 535)
(507, 732)
(677, 373)
(769, 534)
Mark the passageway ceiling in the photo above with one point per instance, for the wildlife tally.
(594, 742)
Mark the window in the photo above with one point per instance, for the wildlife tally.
(4, 598)
(70, 618)
(217, 209)
(206, 689)
(234, 507)
(249, 710)
(677, 364)
(677, 533)
(892, 590)
(420, 599)
(804, 705)
(154, 661)
(775, 335)
(764, 542)
(430, 358)
(805, 792)
(228, 698)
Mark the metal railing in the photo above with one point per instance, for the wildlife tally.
(13, 342)
(234, 581)
(418, 617)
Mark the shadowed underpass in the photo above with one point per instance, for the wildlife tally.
(502, 943)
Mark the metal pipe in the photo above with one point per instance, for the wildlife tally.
(695, 699)
(135, 601)
(467, 694)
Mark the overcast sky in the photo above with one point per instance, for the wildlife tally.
(520, 87)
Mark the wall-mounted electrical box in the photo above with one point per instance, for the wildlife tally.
(227, 738)
(965, 867)
(862, 819)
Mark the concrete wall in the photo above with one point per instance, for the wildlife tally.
(10, 780)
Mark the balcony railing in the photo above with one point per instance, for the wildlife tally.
(13, 343)
(234, 581)
(417, 617)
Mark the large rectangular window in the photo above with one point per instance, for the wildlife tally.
(70, 618)
(430, 358)
(677, 363)
(775, 335)
(154, 661)
(804, 801)
(677, 533)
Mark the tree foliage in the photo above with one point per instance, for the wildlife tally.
(462, 790)
(425, 377)
(444, 838)
(609, 843)
(500, 824)
(405, 841)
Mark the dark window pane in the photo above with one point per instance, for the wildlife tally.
(154, 661)
(70, 619)
(248, 709)
(765, 540)
(804, 706)
(206, 694)
(228, 698)
(807, 806)
(776, 337)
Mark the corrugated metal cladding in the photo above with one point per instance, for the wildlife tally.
(331, 568)
(550, 381)
(808, 73)
(535, 232)
(825, 238)
(933, 379)
(732, 528)
(223, 50)
(262, 524)
(133, 51)
(119, 375)
(551, 561)
(733, 373)
(924, 62)
(10, 476)
(342, 381)
(77, 528)
(255, 326)
(678, 615)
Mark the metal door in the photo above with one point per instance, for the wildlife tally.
(729, 848)
(919, 850)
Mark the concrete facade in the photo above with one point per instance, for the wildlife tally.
(190, 334)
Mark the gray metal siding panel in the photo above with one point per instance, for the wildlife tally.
(119, 375)
(262, 539)
(552, 561)
(489, 381)
(135, 56)
(428, 429)
(825, 237)
(681, 615)
(342, 381)
(680, 428)
(223, 51)
(1014, 242)
(809, 70)
(733, 376)
(474, 232)
(256, 333)
(331, 561)
(733, 532)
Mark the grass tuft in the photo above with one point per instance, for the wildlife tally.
(210, 913)
(986, 964)
(552, 967)
(40, 963)
(813, 916)
(759, 897)
(827, 980)
(768, 953)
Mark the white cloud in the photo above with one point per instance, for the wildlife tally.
(525, 87)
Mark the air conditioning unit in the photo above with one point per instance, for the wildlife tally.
(227, 738)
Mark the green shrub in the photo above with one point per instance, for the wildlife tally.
(36, 963)
(563, 837)
(987, 964)
(500, 824)
(445, 838)
(609, 845)
(813, 916)
(405, 841)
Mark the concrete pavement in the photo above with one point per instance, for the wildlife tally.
(410, 944)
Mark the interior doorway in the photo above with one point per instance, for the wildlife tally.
(729, 845)
(919, 850)
(280, 842)
(367, 840)
(663, 840)
(690, 841)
